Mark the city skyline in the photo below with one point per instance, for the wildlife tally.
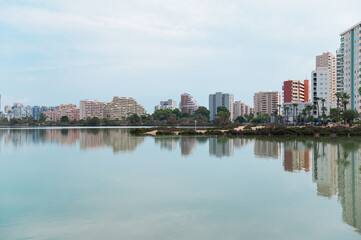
(66, 45)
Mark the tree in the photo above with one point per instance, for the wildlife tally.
(203, 111)
(308, 109)
(345, 97)
(338, 97)
(223, 113)
(177, 112)
(323, 107)
(279, 111)
(349, 115)
(286, 108)
(134, 119)
(172, 120)
(317, 105)
(95, 121)
(295, 106)
(240, 119)
(334, 114)
(42, 117)
(64, 119)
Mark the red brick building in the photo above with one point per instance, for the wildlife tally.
(296, 91)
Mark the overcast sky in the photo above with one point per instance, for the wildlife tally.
(63, 51)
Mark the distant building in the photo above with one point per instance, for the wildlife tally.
(170, 104)
(328, 61)
(37, 111)
(241, 109)
(296, 91)
(350, 55)
(69, 110)
(220, 99)
(18, 110)
(266, 102)
(321, 85)
(188, 104)
(121, 108)
(90, 109)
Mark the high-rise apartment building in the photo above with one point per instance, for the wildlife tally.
(321, 85)
(188, 104)
(90, 109)
(266, 102)
(170, 104)
(328, 61)
(121, 108)
(37, 111)
(241, 109)
(296, 91)
(220, 99)
(339, 71)
(69, 110)
(350, 53)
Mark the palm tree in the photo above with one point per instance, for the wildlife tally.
(323, 107)
(338, 96)
(345, 97)
(286, 108)
(295, 105)
(316, 99)
(304, 113)
(309, 109)
(279, 110)
(314, 108)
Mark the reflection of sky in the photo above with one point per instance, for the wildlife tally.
(53, 191)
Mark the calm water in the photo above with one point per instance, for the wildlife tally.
(106, 184)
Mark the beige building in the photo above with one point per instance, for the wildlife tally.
(69, 110)
(241, 109)
(328, 61)
(121, 108)
(266, 102)
(90, 109)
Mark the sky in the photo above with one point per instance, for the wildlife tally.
(62, 51)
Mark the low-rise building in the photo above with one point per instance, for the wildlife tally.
(241, 109)
(170, 104)
(69, 110)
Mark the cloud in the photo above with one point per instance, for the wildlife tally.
(199, 46)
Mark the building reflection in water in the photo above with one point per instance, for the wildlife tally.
(118, 139)
(267, 149)
(297, 157)
(336, 169)
(221, 147)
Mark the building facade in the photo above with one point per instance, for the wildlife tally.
(296, 91)
(37, 111)
(266, 102)
(220, 99)
(241, 109)
(350, 52)
(188, 104)
(90, 109)
(321, 85)
(69, 110)
(328, 61)
(170, 104)
(121, 108)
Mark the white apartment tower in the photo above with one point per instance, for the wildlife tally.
(321, 85)
(170, 104)
(328, 61)
(241, 109)
(220, 99)
(350, 63)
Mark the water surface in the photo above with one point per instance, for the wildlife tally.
(106, 184)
